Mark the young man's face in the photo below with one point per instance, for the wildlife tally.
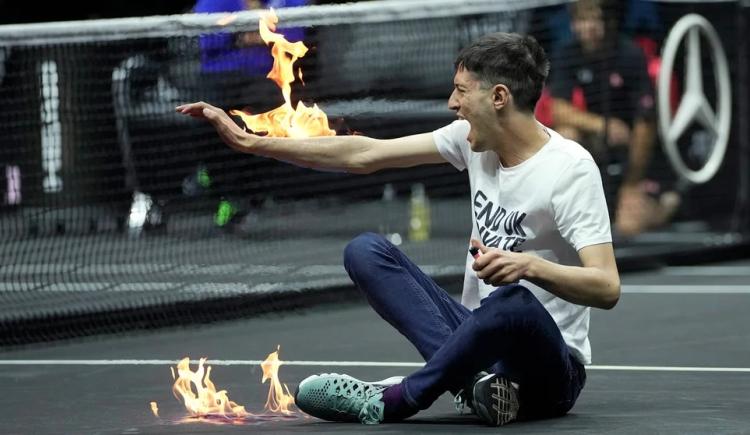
(474, 104)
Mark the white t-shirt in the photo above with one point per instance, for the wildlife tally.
(550, 205)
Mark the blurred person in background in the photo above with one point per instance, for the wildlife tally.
(603, 98)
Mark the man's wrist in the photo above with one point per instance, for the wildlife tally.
(250, 143)
(532, 267)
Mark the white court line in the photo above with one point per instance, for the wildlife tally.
(147, 362)
(743, 270)
(686, 289)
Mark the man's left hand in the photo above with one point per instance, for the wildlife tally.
(497, 267)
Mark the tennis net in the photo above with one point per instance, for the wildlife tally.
(118, 213)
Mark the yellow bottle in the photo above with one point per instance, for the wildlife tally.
(419, 214)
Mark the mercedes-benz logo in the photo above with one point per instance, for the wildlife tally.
(694, 107)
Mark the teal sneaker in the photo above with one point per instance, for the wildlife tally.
(495, 400)
(334, 397)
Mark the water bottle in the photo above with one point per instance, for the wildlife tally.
(419, 214)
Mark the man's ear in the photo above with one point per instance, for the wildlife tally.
(500, 96)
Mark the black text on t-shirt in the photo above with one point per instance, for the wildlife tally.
(498, 226)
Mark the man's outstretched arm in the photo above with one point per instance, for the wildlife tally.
(355, 154)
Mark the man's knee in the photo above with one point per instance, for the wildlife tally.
(506, 304)
(361, 249)
(513, 294)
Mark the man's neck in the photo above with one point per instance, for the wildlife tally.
(519, 137)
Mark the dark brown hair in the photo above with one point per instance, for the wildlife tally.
(516, 61)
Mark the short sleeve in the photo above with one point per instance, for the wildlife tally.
(579, 206)
(452, 144)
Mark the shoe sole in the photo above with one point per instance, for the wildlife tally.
(502, 408)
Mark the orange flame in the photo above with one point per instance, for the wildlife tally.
(278, 400)
(205, 401)
(285, 120)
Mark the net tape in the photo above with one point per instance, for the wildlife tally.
(306, 16)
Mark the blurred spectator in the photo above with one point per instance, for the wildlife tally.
(603, 98)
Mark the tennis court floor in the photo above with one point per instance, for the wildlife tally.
(673, 357)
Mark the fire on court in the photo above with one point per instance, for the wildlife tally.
(204, 402)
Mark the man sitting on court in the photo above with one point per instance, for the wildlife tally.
(516, 345)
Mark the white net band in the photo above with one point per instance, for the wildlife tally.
(308, 16)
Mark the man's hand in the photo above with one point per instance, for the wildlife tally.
(228, 130)
(594, 284)
(497, 267)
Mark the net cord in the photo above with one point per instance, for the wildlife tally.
(87, 31)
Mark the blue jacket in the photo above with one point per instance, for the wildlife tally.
(220, 53)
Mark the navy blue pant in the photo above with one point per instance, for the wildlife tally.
(511, 333)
